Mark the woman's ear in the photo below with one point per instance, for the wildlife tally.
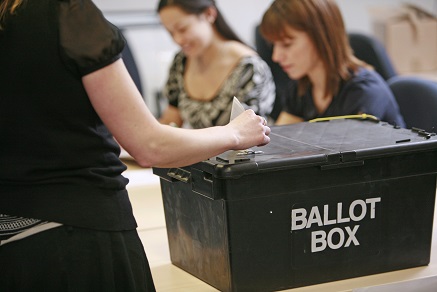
(210, 14)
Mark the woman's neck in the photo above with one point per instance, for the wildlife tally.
(321, 98)
(318, 81)
(213, 53)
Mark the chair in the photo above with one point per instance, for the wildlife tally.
(417, 99)
(371, 51)
(129, 61)
(281, 79)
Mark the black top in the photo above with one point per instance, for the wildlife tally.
(58, 161)
(366, 92)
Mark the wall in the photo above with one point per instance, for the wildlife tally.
(244, 14)
(154, 49)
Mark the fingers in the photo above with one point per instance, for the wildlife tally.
(264, 121)
(252, 129)
(266, 131)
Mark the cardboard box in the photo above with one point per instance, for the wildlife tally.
(409, 35)
(322, 202)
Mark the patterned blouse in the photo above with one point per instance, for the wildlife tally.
(250, 81)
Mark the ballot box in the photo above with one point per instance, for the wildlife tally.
(322, 202)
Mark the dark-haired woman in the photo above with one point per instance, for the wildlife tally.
(311, 45)
(212, 67)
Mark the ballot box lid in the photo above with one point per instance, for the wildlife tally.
(323, 143)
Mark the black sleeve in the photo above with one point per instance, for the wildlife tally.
(88, 41)
(370, 94)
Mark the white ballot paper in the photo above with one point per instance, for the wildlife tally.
(237, 109)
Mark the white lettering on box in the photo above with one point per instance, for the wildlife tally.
(326, 220)
(361, 216)
(331, 233)
(339, 236)
(352, 237)
(314, 217)
(299, 220)
(340, 214)
(318, 241)
(372, 202)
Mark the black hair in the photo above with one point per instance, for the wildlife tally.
(199, 6)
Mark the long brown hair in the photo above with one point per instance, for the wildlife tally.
(196, 7)
(323, 22)
(8, 7)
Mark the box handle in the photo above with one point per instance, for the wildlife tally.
(179, 174)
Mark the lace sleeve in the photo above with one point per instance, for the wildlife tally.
(254, 85)
(174, 85)
(88, 41)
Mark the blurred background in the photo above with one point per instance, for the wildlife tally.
(153, 48)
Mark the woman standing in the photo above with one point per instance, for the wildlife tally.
(66, 222)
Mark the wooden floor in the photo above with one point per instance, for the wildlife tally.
(145, 194)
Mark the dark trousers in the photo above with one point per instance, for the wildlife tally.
(75, 259)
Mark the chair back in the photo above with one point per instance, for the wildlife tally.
(371, 51)
(131, 66)
(417, 99)
(281, 79)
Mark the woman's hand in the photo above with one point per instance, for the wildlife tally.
(249, 130)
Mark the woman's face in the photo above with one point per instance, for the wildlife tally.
(296, 54)
(193, 33)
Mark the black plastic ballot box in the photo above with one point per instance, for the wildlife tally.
(321, 202)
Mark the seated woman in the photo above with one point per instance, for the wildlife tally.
(212, 67)
(311, 45)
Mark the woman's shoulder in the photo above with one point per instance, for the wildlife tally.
(366, 74)
(240, 53)
(366, 79)
(177, 66)
(239, 49)
(374, 96)
(179, 57)
(245, 56)
(366, 85)
(86, 37)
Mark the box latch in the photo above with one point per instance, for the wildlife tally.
(179, 174)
